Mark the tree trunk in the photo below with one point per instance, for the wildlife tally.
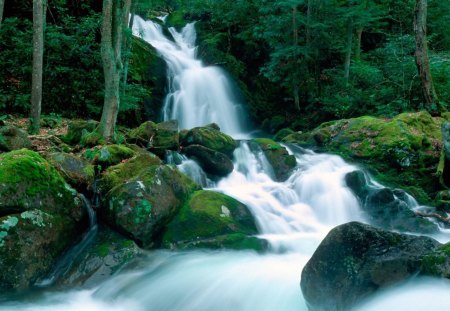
(2, 5)
(39, 9)
(421, 56)
(128, 44)
(359, 32)
(348, 53)
(115, 20)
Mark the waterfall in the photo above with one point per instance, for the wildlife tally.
(198, 94)
(294, 216)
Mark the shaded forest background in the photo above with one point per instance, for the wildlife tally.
(298, 63)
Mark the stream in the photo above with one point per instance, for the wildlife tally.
(294, 216)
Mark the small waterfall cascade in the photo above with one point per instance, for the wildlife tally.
(198, 94)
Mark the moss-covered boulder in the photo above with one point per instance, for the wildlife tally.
(213, 220)
(107, 254)
(141, 207)
(156, 136)
(281, 161)
(212, 162)
(13, 138)
(77, 171)
(403, 151)
(41, 216)
(356, 260)
(211, 138)
(108, 155)
(123, 172)
(76, 128)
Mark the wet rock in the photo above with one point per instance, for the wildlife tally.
(356, 260)
(77, 171)
(141, 207)
(13, 138)
(281, 161)
(40, 217)
(213, 220)
(105, 256)
(212, 162)
(210, 138)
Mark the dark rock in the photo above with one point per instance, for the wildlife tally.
(106, 255)
(212, 162)
(77, 171)
(356, 260)
(281, 161)
(213, 220)
(210, 138)
(357, 182)
(40, 217)
(13, 138)
(141, 207)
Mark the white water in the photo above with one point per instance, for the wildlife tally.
(294, 216)
(198, 94)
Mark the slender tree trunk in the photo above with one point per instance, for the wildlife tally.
(39, 9)
(2, 5)
(115, 20)
(421, 55)
(295, 79)
(359, 32)
(348, 53)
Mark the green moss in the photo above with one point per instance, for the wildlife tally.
(90, 139)
(431, 263)
(282, 134)
(108, 155)
(210, 138)
(75, 130)
(176, 19)
(267, 143)
(120, 173)
(209, 216)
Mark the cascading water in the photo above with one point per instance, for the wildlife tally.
(294, 216)
(198, 94)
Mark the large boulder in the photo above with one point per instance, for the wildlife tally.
(108, 155)
(123, 172)
(356, 260)
(387, 208)
(13, 138)
(211, 138)
(281, 161)
(156, 136)
(212, 162)
(40, 217)
(403, 151)
(77, 171)
(141, 207)
(105, 255)
(213, 220)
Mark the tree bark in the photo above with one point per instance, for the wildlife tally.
(115, 20)
(421, 56)
(359, 32)
(39, 9)
(348, 52)
(2, 5)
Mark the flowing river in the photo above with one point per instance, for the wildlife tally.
(294, 216)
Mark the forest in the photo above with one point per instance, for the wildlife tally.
(224, 155)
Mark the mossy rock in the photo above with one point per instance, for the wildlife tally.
(107, 254)
(141, 207)
(41, 216)
(281, 161)
(77, 171)
(75, 130)
(108, 155)
(402, 152)
(212, 162)
(212, 220)
(156, 136)
(91, 139)
(282, 134)
(211, 138)
(121, 173)
(13, 138)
